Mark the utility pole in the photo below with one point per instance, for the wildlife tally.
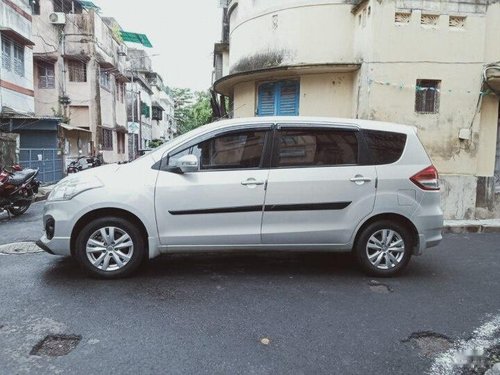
(140, 118)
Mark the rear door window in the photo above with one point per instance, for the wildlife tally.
(384, 147)
(316, 147)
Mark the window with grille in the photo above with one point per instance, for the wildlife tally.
(35, 7)
(77, 71)
(105, 79)
(19, 60)
(157, 113)
(107, 139)
(46, 76)
(457, 22)
(6, 54)
(278, 99)
(427, 96)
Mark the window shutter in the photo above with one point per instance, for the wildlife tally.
(267, 99)
(289, 99)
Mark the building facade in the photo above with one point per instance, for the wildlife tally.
(79, 76)
(37, 135)
(430, 64)
(150, 107)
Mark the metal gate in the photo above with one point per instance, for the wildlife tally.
(48, 160)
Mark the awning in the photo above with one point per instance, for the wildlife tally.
(226, 84)
(89, 5)
(136, 38)
(157, 104)
(16, 37)
(70, 128)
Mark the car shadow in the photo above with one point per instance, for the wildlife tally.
(235, 265)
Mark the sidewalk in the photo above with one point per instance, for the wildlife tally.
(472, 226)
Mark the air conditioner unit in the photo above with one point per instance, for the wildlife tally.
(122, 50)
(57, 18)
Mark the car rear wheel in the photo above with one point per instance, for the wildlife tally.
(384, 248)
(110, 247)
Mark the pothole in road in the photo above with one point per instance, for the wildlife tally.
(429, 343)
(56, 345)
(378, 287)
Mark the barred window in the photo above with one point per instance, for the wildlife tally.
(6, 54)
(107, 139)
(46, 76)
(427, 96)
(19, 60)
(157, 113)
(105, 79)
(77, 71)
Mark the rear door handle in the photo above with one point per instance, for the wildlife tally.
(360, 180)
(252, 182)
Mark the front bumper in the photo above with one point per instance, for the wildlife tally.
(62, 214)
(55, 246)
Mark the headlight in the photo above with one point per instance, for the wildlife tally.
(70, 188)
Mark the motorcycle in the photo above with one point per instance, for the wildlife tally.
(82, 163)
(17, 189)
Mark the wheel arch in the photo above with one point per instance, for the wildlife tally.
(102, 212)
(397, 218)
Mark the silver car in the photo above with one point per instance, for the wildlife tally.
(275, 183)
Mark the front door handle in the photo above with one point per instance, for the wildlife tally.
(252, 182)
(360, 180)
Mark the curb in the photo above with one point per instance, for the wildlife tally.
(471, 228)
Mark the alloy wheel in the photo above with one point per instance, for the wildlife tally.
(385, 249)
(109, 248)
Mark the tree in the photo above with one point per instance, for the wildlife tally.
(191, 109)
(155, 143)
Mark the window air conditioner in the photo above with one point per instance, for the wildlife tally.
(57, 18)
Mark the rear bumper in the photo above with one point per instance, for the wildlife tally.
(430, 229)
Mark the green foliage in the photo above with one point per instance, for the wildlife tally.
(155, 143)
(192, 109)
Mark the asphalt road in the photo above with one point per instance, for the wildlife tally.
(213, 313)
(27, 227)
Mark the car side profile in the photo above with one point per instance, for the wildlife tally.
(284, 183)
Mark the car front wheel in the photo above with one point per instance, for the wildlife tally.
(384, 248)
(110, 247)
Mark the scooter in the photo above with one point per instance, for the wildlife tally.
(17, 189)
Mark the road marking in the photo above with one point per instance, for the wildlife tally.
(464, 352)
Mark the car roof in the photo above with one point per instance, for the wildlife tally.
(308, 120)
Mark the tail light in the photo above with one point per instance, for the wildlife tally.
(426, 179)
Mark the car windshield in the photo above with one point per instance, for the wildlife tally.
(158, 152)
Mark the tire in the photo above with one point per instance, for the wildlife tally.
(112, 251)
(370, 248)
(19, 209)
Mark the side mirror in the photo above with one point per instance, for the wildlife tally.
(188, 163)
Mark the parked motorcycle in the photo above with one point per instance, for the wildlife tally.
(82, 163)
(17, 189)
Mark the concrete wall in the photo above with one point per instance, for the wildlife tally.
(393, 55)
(289, 33)
(16, 91)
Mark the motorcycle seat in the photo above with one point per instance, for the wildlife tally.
(22, 176)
